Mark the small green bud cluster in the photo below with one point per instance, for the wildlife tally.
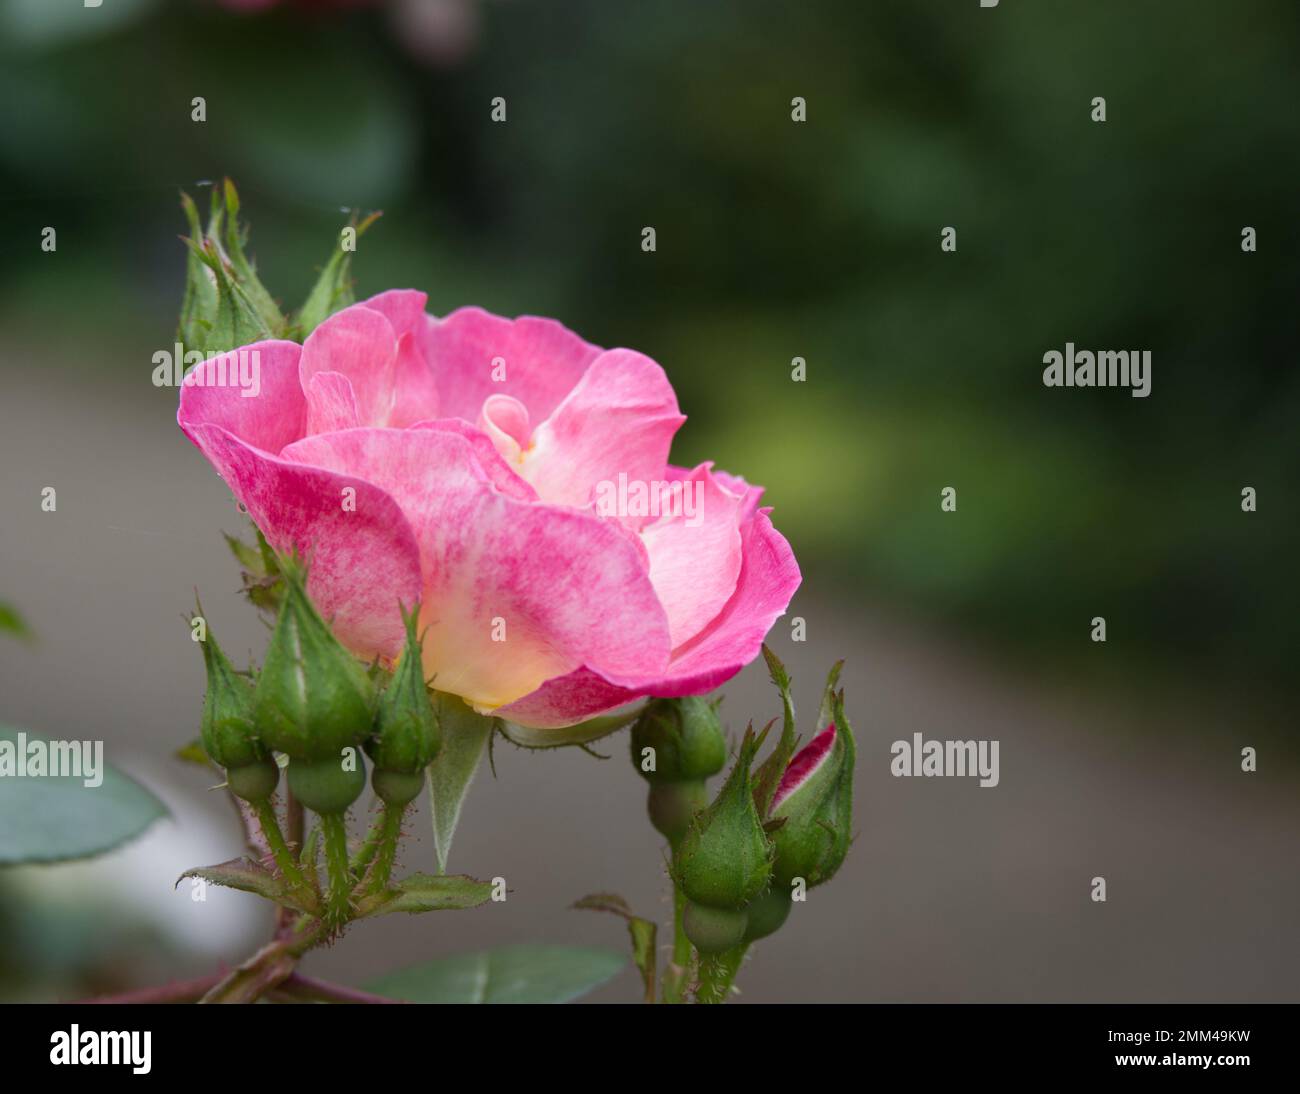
(320, 707)
(772, 829)
(314, 702)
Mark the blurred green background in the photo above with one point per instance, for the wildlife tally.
(775, 240)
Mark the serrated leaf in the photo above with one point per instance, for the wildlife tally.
(464, 739)
(249, 877)
(509, 974)
(428, 893)
(53, 818)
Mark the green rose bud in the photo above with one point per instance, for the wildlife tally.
(767, 913)
(725, 859)
(313, 698)
(407, 734)
(330, 785)
(254, 782)
(227, 727)
(814, 803)
(678, 740)
(714, 930)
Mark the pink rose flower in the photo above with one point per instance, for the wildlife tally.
(512, 478)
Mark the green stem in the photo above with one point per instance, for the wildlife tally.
(389, 835)
(369, 846)
(678, 972)
(270, 824)
(717, 971)
(338, 908)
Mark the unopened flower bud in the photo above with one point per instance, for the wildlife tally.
(407, 734)
(814, 801)
(330, 785)
(767, 913)
(313, 698)
(725, 859)
(227, 729)
(678, 740)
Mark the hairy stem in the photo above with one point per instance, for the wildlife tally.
(390, 832)
(270, 826)
(717, 971)
(338, 906)
(679, 969)
(364, 857)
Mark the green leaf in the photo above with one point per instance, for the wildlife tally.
(249, 877)
(465, 735)
(509, 974)
(642, 932)
(427, 893)
(12, 622)
(53, 818)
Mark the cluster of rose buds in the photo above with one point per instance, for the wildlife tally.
(316, 704)
(770, 833)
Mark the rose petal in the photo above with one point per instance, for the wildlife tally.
(733, 483)
(270, 419)
(360, 344)
(362, 556)
(618, 420)
(568, 588)
(496, 469)
(505, 420)
(542, 361)
(695, 554)
(768, 579)
(807, 761)
(331, 403)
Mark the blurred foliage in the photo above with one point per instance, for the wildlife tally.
(778, 240)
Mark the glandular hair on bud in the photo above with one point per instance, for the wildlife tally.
(686, 737)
